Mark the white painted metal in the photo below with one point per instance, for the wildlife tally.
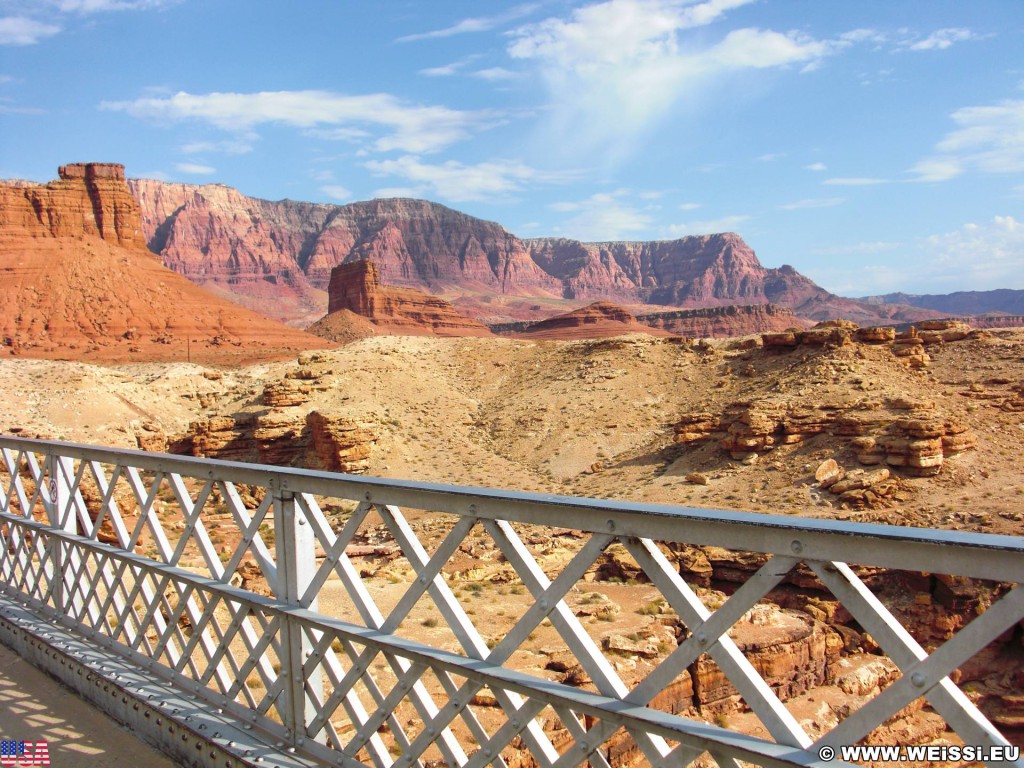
(127, 555)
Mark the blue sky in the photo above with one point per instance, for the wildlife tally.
(875, 146)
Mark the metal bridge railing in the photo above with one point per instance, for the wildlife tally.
(214, 577)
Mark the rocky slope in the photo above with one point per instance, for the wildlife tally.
(249, 250)
(356, 290)
(79, 283)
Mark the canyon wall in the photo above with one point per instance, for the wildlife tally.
(253, 250)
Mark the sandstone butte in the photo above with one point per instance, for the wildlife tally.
(356, 296)
(79, 283)
(278, 256)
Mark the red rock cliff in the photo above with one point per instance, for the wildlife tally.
(79, 283)
(278, 256)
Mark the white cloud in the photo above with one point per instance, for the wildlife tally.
(689, 206)
(854, 181)
(818, 202)
(709, 226)
(447, 70)
(816, 167)
(979, 256)
(18, 30)
(942, 39)
(478, 24)
(988, 139)
(459, 182)
(196, 168)
(615, 68)
(385, 192)
(760, 49)
(495, 74)
(863, 36)
(337, 191)
(603, 216)
(231, 147)
(96, 6)
(9, 109)
(938, 169)
(407, 127)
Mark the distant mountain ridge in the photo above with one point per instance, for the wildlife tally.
(277, 257)
(967, 303)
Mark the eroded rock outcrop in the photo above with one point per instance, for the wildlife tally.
(356, 288)
(914, 437)
(282, 428)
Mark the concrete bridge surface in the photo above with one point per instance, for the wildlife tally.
(35, 707)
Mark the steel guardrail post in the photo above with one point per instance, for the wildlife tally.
(296, 566)
(58, 503)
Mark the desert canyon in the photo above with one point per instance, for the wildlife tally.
(399, 338)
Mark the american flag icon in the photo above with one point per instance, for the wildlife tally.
(24, 753)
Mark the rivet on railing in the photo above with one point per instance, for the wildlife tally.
(918, 679)
(702, 638)
(611, 525)
(797, 546)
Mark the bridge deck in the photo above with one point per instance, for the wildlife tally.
(34, 707)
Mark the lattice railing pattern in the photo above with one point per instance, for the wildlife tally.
(348, 616)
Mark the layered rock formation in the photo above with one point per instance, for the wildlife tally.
(599, 320)
(356, 289)
(910, 434)
(89, 199)
(724, 322)
(251, 249)
(80, 283)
